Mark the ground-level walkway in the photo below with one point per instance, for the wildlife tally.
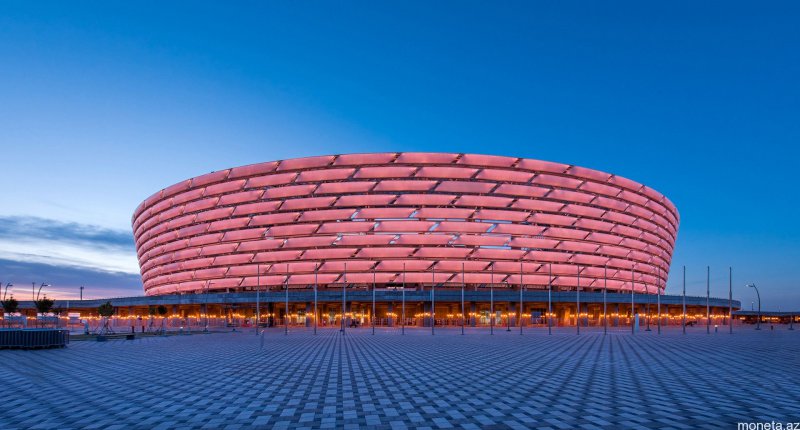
(389, 380)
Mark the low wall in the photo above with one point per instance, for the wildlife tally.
(33, 338)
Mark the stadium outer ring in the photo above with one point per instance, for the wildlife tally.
(503, 220)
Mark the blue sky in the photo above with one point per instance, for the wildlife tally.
(103, 104)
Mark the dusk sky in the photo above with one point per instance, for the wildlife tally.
(102, 104)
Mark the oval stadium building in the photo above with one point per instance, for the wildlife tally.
(405, 219)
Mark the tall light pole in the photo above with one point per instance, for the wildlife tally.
(605, 289)
(463, 283)
(550, 300)
(344, 297)
(647, 293)
(758, 322)
(205, 328)
(286, 304)
(578, 303)
(508, 310)
(521, 290)
(373, 301)
(730, 300)
(5, 293)
(258, 296)
(633, 286)
(658, 291)
(491, 301)
(316, 270)
(708, 298)
(433, 299)
(684, 300)
(403, 322)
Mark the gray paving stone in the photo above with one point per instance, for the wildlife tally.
(389, 381)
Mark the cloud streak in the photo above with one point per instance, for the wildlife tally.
(67, 244)
(66, 281)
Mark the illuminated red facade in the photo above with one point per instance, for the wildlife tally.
(500, 220)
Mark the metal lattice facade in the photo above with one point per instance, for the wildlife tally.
(434, 214)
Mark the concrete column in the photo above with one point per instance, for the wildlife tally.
(389, 318)
(512, 313)
(616, 310)
(309, 314)
(426, 309)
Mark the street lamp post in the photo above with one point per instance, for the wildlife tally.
(578, 303)
(403, 321)
(258, 296)
(708, 298)
(508, 310)
(5, 293)
(205, 328)
(758, 322)
(633, 286)
(647, 293)
(658, 291)
(550, 300)
(463, 282)
(344, 298)
(433, 299)
(684, 300)
(373, 301)
(491, 301)
(605, 288)
(730, 300)
(316, 270)
(521, 290)
(286, 305)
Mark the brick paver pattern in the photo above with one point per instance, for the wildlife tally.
(505, 380)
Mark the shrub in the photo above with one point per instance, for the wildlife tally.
(10, 306)
(106, 309)
(44, 305)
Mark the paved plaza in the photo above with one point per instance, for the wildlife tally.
(239, 380)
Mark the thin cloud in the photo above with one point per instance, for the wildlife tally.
(67, 244)
(66, 281)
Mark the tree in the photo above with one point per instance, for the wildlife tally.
(10, 306)
(162, 312)
(44, 305)
(57, 312)
(106, 310)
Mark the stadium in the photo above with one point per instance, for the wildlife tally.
(459, 238)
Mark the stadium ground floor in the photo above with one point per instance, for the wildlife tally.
(392, 308)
